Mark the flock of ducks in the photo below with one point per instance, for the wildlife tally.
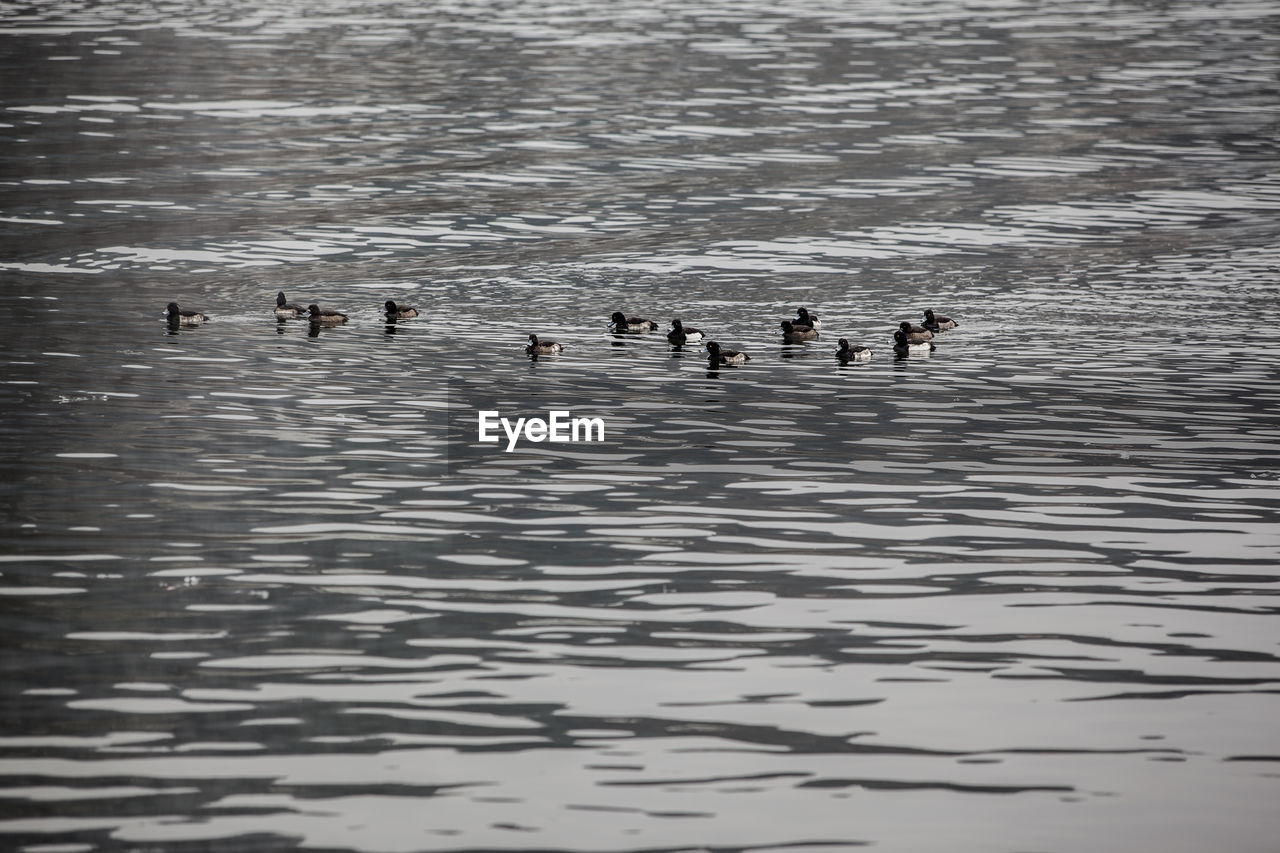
(908, 338)
(286, 310)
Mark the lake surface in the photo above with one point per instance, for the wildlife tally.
(263, 589)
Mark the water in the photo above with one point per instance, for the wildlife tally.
(264, 591)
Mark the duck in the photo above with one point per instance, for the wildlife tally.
(399, 312)
(794, 334)
(286, 310)
(537, 347)
(856, 353)
(804, 318)
(903, 345)
(679, 335)
(934, 323)
(622, 323)
(915, 334)
(725, 356)
(325, 316)
(178, 317)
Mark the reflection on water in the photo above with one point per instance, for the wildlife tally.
(265, 590)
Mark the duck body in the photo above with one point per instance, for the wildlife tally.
(537, 347)
(934, 323)
(325, 316)
(793, 334)
(399, 312)
(287, 310)
(177, 317)
(718, 356)
(680, 335)
(804, 318)
(903, 345)
(621, 323)
(854, 353)
(915, 334)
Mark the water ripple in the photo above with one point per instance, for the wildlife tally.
(267, 590)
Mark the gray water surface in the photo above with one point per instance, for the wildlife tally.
(263, 590)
